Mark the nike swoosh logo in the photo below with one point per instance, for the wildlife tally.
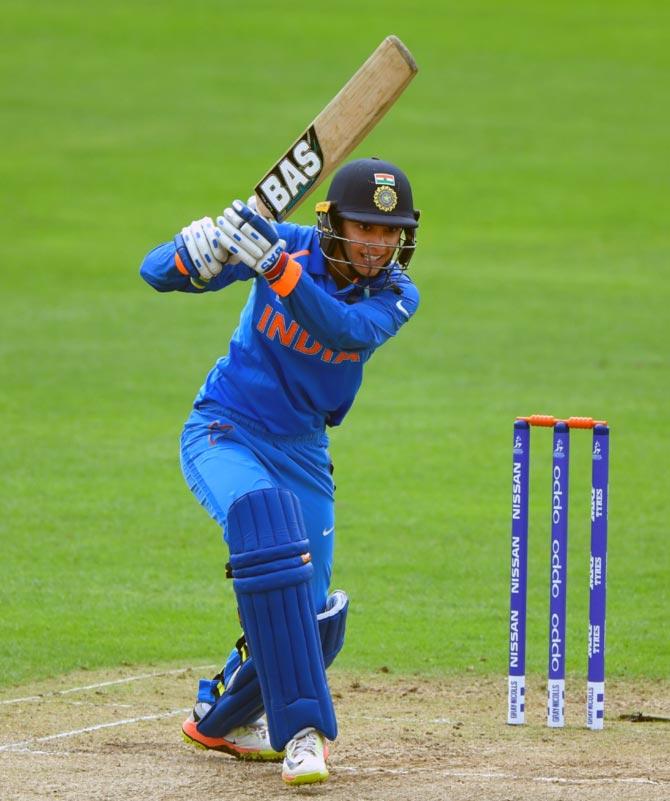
(402, 308)
(327, 531)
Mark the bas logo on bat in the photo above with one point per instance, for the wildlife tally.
(334, 133)
(294, 175)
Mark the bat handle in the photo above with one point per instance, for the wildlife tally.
(263, 209)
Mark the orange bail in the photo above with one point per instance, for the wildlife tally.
(572, 422)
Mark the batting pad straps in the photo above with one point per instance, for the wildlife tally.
(332, 623)
(271, 577)
(241, 700)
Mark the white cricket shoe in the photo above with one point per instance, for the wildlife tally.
(305, 760)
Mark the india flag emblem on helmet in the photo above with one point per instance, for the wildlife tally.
(384, 179)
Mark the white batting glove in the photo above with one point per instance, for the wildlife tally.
(249, 237)
(203, 240)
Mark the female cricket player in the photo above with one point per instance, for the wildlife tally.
(254, 450)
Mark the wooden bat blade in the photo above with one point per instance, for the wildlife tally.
(337, 130)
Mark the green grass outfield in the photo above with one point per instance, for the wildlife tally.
(537, 143)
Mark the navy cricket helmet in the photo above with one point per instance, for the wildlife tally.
(369, 191)
(375, 192)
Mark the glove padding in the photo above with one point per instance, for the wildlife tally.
(208, 254)
(249, 237)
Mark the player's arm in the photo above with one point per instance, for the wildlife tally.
(196, 260)
(360, 326)
(207, 256)
(336, 325)
(165, 271)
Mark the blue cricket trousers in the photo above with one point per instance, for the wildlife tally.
(225, 455)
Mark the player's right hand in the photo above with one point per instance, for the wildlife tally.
(250, 237)
(204, 243)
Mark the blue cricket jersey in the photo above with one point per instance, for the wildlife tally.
(295, 363)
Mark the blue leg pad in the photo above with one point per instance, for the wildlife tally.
(271, 576)
(242, 701)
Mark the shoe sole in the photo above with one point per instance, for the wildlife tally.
(307, 778)
(230, 748)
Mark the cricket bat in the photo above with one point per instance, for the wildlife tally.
(337, 130)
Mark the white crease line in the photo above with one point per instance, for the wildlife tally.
(602, 780)
(112, 704)
(23, 744)
(461, 774)
(390, 719)
(128, 679)
(34, 752)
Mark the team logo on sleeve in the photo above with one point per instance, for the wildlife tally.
(401, 308)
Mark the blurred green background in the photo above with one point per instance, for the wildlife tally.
(536, 137)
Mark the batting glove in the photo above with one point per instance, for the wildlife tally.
(203, 242)
(251, 238)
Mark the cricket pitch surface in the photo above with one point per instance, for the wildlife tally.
(108, 735)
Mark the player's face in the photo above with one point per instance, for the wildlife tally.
(370, 246)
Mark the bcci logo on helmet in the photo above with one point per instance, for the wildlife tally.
(385, 198)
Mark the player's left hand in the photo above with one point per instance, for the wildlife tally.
(250, 237)
(202, 240)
